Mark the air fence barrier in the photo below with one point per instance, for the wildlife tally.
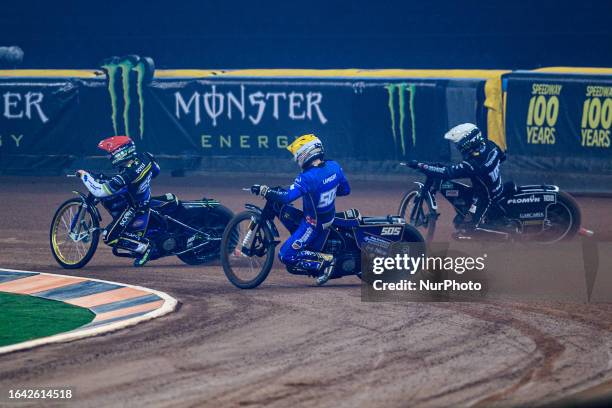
(194, 120)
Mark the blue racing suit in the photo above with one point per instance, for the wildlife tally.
(318, 186)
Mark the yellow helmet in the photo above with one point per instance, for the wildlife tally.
(305, 149)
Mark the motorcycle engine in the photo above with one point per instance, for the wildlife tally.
(169, 244)
(348, 264)
(333, 246)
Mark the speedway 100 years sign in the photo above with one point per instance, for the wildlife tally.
(559, 115)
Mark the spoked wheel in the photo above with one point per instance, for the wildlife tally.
(247, 250)
(423, 218)
(74, 234)
(212, 227)
(562, 220)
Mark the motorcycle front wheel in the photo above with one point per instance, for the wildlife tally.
(247, 250)
(74, 234)
(424, 221)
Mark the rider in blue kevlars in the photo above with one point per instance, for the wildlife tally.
(318, 185)
(126, 195)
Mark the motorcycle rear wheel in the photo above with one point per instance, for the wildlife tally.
(73, 240)
(247, 271)
(214, 225)
(563, 219)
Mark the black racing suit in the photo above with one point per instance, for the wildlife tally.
(126, 196)
(483, 169)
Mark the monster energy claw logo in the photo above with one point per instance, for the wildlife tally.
(126, 78)
(399, 126)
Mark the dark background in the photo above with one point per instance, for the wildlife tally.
(312, 34)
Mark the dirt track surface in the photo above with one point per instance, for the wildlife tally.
(289, 343)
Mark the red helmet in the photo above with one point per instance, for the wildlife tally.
(120, 148)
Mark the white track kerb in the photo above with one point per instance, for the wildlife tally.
(168, 306)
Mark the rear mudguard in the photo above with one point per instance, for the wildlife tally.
(530, 203)
(204, 202)
(93, 208)
(386, 232)
(187, 208)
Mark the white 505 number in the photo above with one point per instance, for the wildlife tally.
(391, 231)
(327, 198)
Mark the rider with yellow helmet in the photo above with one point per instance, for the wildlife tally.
(318, 184)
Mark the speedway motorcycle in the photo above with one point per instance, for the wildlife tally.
(251, 237)
(538, 213)
(191, 230)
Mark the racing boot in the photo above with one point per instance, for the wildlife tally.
(461, 235)
(465, 228)
(317, 261)
(480, 233)
(137, 245)
(144, 257)
(145, 249)
(327, 272)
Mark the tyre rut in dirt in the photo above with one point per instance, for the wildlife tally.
(213, 223)
(405, 210)
(234, 261)
(76, 251)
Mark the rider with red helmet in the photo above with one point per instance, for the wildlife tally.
(132, 188)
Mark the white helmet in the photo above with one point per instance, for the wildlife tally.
(467, 137)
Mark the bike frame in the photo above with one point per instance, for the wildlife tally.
(90, 202)
(268, 213)
(87, 202)
(427, 191)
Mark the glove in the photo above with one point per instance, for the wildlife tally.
(97, 176)
(413, 164)
(79, 173)
(260, 190)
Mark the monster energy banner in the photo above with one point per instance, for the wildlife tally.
(374, 121)
(37, 123)
(564, 120)
(49, 125)
(126, 80)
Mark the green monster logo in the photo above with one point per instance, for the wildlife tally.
(126, 78)
(402, 89)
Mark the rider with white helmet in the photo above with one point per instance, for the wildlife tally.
(481, 163)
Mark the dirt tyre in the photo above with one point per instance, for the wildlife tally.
(214, 223)
(564, 218)
(247, 272)
(74, 235)
(405, 211)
